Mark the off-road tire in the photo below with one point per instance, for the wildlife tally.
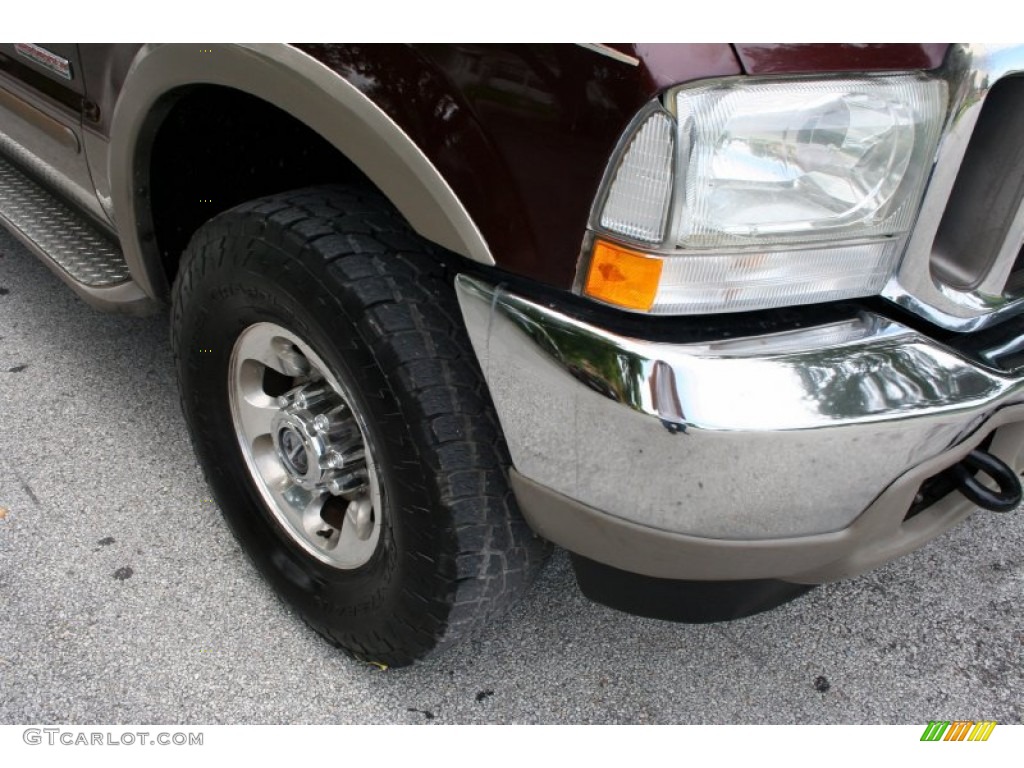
(340, 268)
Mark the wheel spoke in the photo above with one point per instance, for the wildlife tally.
(314, 526)
(256, 417)
(268, 466)
(263, 345)
(301, 509)
(351, 546)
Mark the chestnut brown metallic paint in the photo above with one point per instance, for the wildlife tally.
(522, 133)
(797, 58)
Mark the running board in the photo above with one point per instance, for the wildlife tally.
(57, 232)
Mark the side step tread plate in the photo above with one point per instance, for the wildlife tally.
(67, 237)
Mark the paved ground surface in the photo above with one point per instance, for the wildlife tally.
(123, 597)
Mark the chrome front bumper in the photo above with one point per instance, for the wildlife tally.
(776, 444)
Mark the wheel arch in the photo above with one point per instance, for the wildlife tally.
(300, 86)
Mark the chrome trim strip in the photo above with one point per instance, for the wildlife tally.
(611, 53)
(39, 120)
(971, 71)
(46, 59)
(780, 435)
(304, 88)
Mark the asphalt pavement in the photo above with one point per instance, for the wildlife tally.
(125, 599)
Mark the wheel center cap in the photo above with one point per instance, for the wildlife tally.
(300, 449)
(293, 451)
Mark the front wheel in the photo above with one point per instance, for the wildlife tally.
(343, 423)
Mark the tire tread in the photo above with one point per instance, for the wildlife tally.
(405, 309)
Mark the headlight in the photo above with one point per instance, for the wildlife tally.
(638, 199)
(782, 192)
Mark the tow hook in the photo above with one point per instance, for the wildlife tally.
(1003, 500)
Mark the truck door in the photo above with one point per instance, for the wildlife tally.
(42, 94)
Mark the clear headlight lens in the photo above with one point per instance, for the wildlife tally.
(766, 279)
(638, 199)
(805, 160)
(784, 192)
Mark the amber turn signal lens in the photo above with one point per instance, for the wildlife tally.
(623, 277)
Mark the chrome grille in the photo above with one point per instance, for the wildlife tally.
(963, 268)
(1015, 285)
(980, 231)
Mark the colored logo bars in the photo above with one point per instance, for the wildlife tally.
(958, 730)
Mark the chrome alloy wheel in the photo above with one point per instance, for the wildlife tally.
(305, 447)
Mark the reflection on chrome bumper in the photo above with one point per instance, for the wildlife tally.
(784, 435)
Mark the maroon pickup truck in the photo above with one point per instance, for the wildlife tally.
(724, 321)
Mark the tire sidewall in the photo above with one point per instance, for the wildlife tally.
(285, 290)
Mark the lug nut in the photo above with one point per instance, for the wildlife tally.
(308, 397)
(288, 397)
(350, 461)
(347, 484)
(338, 413)
(321, 424)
